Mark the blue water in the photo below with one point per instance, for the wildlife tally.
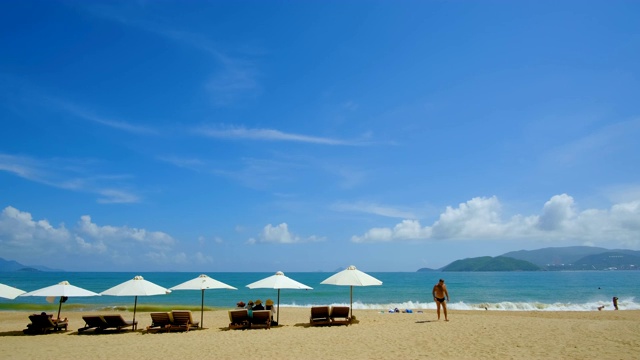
(550, 291)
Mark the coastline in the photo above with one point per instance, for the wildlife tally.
(377, 335)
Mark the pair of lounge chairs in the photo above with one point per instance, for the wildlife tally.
(104, 322)
(329, 315)
(240, 319)
(44, 323)
(176, 320)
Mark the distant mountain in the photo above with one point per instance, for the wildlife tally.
(555, 255)
(11, 265)
(555, 258)
(488, 263)
(607, 261)
(427, 270)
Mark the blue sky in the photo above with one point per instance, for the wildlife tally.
(308, 135)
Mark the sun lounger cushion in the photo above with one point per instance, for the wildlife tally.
(239, 319)
(182, 320)
(319, 315)
(261, 319)
(95, 322)
(340, 315)
(43, 323)
(160, 321)
(117, 322)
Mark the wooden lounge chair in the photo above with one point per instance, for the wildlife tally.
(43, 323)
(340, 315)
(160, 321)
(182, 320)
(117, 322)
(261, 319)
(95, 322)
(239, 319)
(319, 316)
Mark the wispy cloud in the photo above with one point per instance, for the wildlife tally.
(115, 196)
(68, 174)
(182, 162)
(267, 135)
(21, 166)
(22, 94)
(88, 115)
(618, 138)
(235, 77)
(371, 208)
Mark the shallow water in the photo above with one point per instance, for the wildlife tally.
(551, 291)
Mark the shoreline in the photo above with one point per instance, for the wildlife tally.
(376, 335)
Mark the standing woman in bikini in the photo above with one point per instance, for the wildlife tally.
(440, 294)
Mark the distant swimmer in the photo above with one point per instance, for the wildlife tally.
(440, 294)
(615, 303)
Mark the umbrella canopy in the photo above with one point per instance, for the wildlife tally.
(278, 281)
(63, 290)
(351, 277)
(202, 282)
(9, 292)
(137, 286)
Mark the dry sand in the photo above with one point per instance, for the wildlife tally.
(469, 335)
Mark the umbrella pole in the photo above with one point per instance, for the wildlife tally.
(278, 316)
(59, 307)
(202, 309)
(351, 296)
(135, 304)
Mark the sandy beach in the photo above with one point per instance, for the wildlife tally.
(377, 335)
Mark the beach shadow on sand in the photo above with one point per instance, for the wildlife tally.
(226, 328)
(21, 333)
(425, 321)
(13, 333)
(109, 332)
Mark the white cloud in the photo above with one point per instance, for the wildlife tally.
(154, 239)
(559, 220)
(280, 234)
(478, 217)
(19, 232)
(32, 241)
(406, 230)
(557, 213)
(201, 258)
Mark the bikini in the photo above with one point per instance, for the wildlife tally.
(441, 300)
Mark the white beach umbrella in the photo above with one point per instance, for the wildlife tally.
(202, 282)
(278, 281)
(351, 277)
(64, 290)
(9, 292)
(137, 286)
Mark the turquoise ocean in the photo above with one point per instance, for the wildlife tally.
(513, 291)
